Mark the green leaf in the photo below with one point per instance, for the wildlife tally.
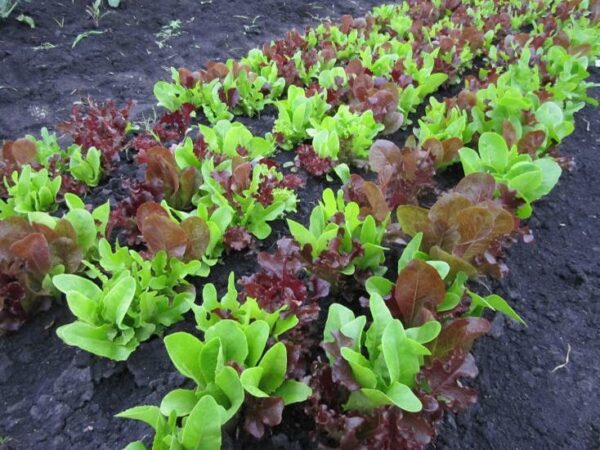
(95, 340)
(83, 307)
(230, 384)
(137, 445)
(179, 401)
(250, 379)
(67, 283)
(404, 398)
(274, 364)
(495, 303)
(117, 300)
(493, 151)
(202, 430)
(425, 333)
(361, 368)
(379, 285)
(147, 413)
(391, 343)
(410, 251)
(551, 172)
(211, 359)
(292, 391)
(84, 225)
(257, 334)
(233, 340)
(300, 233)
(184, 351)
(337, 316)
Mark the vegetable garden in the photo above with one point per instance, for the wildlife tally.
(303, 244)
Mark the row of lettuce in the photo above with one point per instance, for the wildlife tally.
(206, 190)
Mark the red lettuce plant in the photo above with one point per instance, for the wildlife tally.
(280, 281)
(375, 94)
(178, 186)
(28, 253)
(308, 159)
(402, 175)
(187, 240)
(99, 125)
(122, 221)
(464, 228)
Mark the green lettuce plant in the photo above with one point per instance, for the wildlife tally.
(442, 123)
(86, 168)
(426, 80)
(173, 95)
(238, 360)
(89, 226)
(30, 191)
(227, 138)
(338, 229)
(532, 179)
(296, 115)
(133, 299)
(384, 359)
(254, 195)
(47, 148)
(255, 89)
(345, 135)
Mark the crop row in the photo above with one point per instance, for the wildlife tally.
(396, 254)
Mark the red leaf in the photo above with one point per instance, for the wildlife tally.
(443, 378)
(34, 250)
(459, 334)
(419, 289)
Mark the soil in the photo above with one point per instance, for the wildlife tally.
(56, 397)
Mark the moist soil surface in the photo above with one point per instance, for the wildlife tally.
(56, 397)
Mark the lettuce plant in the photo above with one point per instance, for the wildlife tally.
(234, 139)
(193, 239)
(34, 250)
(569, 72)
(134, 299)
(441, 123)
(384, 359)
(47, 147)
(89, 226)
(532, 179)
(30, 191)
(237, 362)
(345, 135)
(426, 80)
(86, 168)
(339, 239)
(30, 253)
(100, 125)
(178, 185)
(368, 93)
(252, 193)
(402, 175)
(464, 228)
(255, 90)
(424, 289)
(296, 115)
(173, 95)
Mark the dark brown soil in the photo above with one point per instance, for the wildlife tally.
(56, 397)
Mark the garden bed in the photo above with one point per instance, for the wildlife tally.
(57, 397)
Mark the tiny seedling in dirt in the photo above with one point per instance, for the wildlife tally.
(95, 12)
(171, 30)
(7, 7)
(44, 46)
(81, 36)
